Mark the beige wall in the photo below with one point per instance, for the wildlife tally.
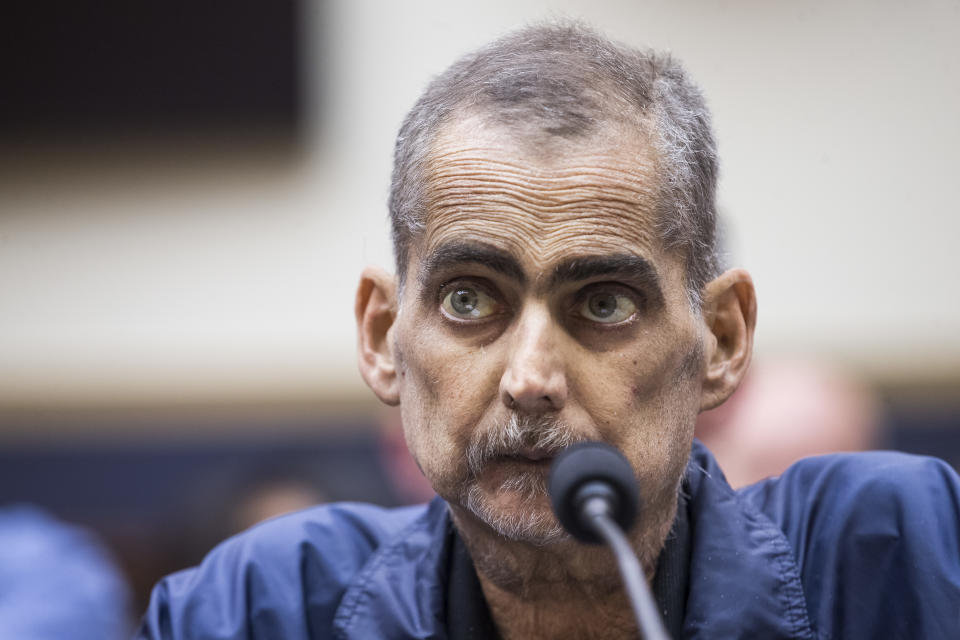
(181, 276)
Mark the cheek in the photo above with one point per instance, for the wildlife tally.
(636, 379)
(668, 401)
(645, 401)
(442, 376)
(445, 392)
(668, 398)
(651, 374)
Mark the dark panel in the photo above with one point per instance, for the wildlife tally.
(148, 65)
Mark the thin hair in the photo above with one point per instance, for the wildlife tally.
(565, 80)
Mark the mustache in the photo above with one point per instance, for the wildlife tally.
(520, 431)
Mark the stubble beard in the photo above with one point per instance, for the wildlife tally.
(529, 520)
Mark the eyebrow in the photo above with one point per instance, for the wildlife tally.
(625, 266)
(453, 254)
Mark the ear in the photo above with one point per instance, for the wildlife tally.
(375, 310)
(730, 313)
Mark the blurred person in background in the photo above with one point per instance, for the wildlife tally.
(558, 281)
(271, 498)
(57, 581)
(787, 409)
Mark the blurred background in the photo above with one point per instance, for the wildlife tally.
(188, 191)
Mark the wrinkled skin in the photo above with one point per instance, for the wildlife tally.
(539, 289)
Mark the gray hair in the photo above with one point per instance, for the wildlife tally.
(565, 80)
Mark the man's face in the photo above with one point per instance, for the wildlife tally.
(539, 310)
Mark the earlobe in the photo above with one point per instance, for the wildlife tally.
(730, 312)
(375, 311)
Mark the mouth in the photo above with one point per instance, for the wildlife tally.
(516, 480)
(533, 457)
(535, 454)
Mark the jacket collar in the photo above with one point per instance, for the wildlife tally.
(399, 593)
(744, 581)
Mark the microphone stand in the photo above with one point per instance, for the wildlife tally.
(593, 492)
(596, 515)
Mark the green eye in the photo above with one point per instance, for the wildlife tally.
(607, 308)
(468, 302)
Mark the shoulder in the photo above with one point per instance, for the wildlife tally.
(877, 538)
(282, 578)
(866, 491)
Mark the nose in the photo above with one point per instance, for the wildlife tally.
(534, 380)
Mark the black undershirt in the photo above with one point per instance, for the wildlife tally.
(469, 618)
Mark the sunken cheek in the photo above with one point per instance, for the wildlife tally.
(452, 382)
(626, 385)
(618, 382)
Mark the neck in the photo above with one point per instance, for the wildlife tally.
(590, 616)
(565, 589)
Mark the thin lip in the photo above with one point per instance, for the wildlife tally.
(534, 455)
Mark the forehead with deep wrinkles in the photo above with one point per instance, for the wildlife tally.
(541, 200)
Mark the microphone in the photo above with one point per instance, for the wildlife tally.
(594, 495)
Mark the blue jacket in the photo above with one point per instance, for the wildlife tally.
(843, 546)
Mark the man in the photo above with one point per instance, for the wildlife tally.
(557, 281)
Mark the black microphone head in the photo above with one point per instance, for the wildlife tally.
(591, 462)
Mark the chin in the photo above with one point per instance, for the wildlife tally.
(516, 508)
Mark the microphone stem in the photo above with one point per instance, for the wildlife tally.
(634, 579)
